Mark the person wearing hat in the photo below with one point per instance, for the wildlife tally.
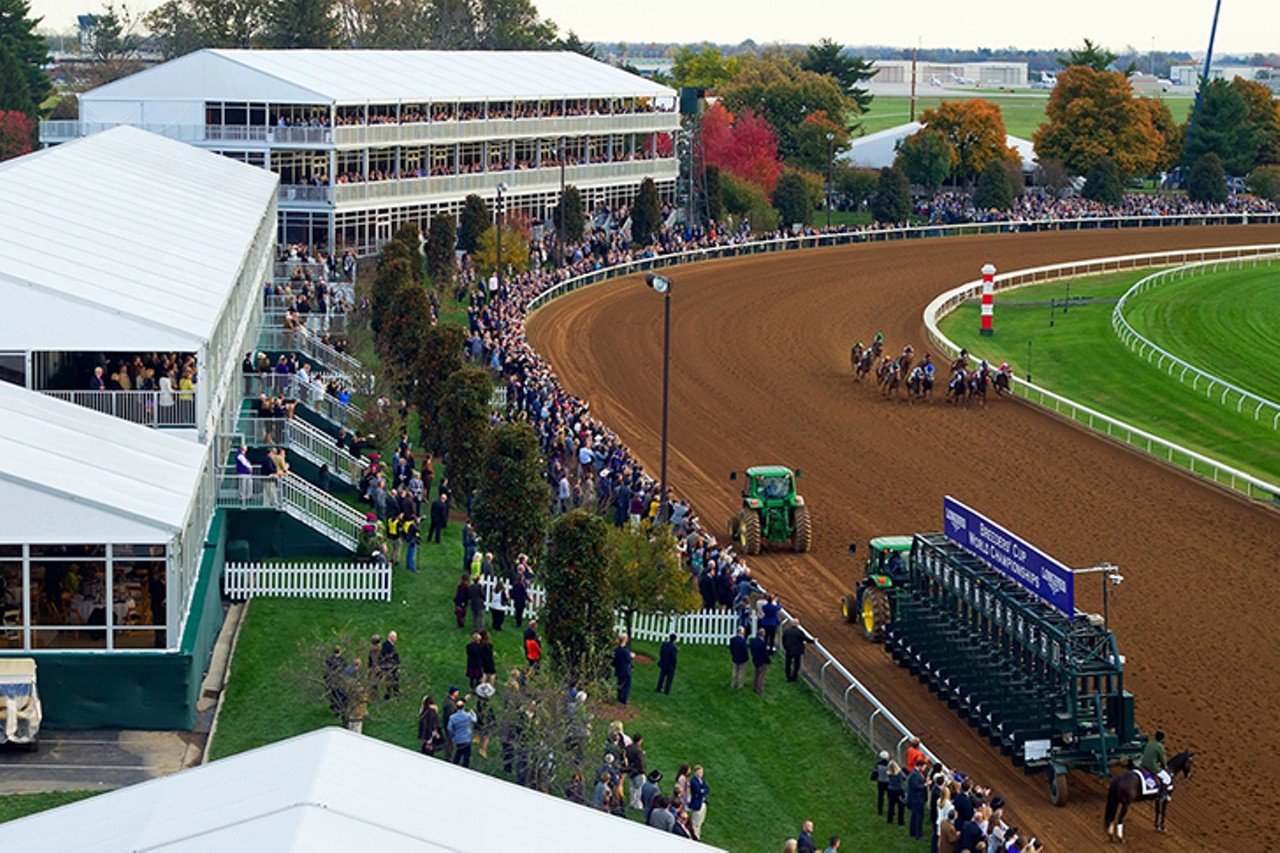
(648, 791)
(880, 775)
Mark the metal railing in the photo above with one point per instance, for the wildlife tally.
(306, 192)
(293, 495)
(1174, 454)
(310, 393)
(1147, 349)
(355, 581)
(305, 440)
(306, 342)
(330, 322)
(150, 408)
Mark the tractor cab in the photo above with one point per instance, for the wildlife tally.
(871, 604)
(887, 559)
(772, 511)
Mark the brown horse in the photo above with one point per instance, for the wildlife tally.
(855, 355)
(1126, 789)
(863, 367)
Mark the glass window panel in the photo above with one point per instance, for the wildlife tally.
(139, 638)
(68, 552)
(68, 592)
(11, 551)
(69, 638)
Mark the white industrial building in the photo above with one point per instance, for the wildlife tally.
(333, 790)
(1189, 75)
(365, 140)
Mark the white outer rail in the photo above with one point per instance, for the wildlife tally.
(1174, 454)
(1148, 349)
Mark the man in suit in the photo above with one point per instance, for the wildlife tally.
(667, 664)
(760, 658)
(793, 643)
(623, 658)
(804, 841)
(439, 517)
(739, 654)
(917, 796)
(97, 382)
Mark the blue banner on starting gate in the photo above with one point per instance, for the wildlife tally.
(1021, 561)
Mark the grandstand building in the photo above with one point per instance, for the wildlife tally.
(365, 140)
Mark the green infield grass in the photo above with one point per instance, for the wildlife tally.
(1079, 357)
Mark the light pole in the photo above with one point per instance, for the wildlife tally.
(1028, 360)
(1110, 577)
(831, 141)
(498, 224)
(560, 230)
(662, 285)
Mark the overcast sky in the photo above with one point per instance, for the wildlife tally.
(1246, 25)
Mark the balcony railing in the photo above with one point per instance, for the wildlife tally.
(174, 409)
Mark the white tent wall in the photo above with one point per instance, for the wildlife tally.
(34, 515)
(196, 77)
(148, 113)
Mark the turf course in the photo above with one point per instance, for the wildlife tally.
(772, 761)
(1225, 323)
(14, 806)
(1080, 358)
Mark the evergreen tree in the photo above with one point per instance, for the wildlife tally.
(1220, 125)
(437, 356)
(646, 214)
(1208, 180)
(829, 57)
(574, 218)
(579, 615)
(1102, 183)
(994, 190)
(465, 395)
(300, 24)
(791, 200)
(442, 259)
(472, 223)
(715, 193)
(892, 201)
(510, 510)
(23, 56)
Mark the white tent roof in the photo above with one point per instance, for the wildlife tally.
(70, 474)
(377, 76)
(123, 240)
(331, 790)
(878, 150)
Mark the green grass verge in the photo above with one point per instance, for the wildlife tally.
(1225, 323)
(1080, 358)
(772, 761)
(14, 806)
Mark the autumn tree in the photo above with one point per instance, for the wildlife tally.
(892, 201)
(856, 184)
(1167, 130)
(975, 131)
(646, 574)
(748, 201)
(510, 509)
(1264, 117)
(1093, 114)
(830, 58)
(1103, 182)
(814, 151)
(926, 158)
(1220, 125)
(1264, 182)
(579, 617)
(1208, 180)
(16, 133)
(473, 222)
(791, 200)
(704, 67)
(646, 214)
(784, 94)
(515, 251)
(742, 145)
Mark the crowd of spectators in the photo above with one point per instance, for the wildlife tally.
(478, 166)
(435, 113)
(173, 375)
(951, 208)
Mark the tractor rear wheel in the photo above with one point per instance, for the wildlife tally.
(1058, 790)
(849, 608)
(749, 531)
(802, 535)
(875, 614)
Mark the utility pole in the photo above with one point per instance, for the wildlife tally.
(915, 59)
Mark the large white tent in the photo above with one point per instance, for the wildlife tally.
(175, 92)
(331, 790)
(123, 241)
(70, 474)
(878, 150)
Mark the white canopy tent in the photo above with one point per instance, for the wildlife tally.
(332, 790)
(123, 241)
(358, 77)
(878, 150)
(70, 475)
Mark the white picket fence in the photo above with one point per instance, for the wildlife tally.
(357, 581)
(701, 628)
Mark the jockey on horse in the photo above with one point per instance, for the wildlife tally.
(1156, 764)
(962, 362)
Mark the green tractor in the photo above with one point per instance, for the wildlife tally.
(872, 603)
(771, 511)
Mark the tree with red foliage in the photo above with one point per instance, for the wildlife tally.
(744, 145)
(16, 134)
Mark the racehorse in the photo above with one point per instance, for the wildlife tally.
(863, 367)
(915, 384)
(978, 385)
(1001, 383)
(956, 388)
(1127, 789)
(855, 355)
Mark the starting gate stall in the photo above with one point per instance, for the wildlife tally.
(1038, 678)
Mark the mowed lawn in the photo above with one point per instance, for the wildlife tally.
(1022, 113)
(771, 761)
(1081, 358)
(1225, 323)
(14, 806)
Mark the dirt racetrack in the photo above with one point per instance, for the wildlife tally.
(760, 374)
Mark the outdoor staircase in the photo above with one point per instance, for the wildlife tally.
(297, 498)
(309, 442)
(276, 339)
(310, 394)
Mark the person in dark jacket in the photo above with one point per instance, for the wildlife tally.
(770, 618)
(389, 666)
(461, 598)
(963, 802)
(475, 661)
(439, 518)
(707, 589)
(897, 792)
(519, 598)
(478, 597)
(739, 654)
(974, 831)
(793, 643)
(804, 841)
(917, 798)
(881, 777)
(623, 659)
(430, 732)
(667, 664)
(761, 656)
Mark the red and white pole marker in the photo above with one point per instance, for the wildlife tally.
(988, 298)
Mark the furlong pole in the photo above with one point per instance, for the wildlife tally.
(666, 391)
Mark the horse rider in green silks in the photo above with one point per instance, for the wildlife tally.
(1155, 761)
